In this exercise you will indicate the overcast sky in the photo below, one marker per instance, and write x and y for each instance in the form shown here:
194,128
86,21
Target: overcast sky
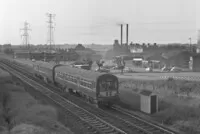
96,21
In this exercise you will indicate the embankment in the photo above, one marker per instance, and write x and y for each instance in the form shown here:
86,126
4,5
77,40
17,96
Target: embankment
20,113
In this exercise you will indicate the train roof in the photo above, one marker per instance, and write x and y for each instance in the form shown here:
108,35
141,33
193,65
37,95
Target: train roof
44,64
88,74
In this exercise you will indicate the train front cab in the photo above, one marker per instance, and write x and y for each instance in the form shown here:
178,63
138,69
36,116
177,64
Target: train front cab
107,89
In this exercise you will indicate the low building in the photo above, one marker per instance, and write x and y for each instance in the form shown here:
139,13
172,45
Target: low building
136,49
198,48
21,54
155,64
148,102
137,61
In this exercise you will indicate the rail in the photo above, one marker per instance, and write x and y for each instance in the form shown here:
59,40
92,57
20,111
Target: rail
134,123
151,128
97,123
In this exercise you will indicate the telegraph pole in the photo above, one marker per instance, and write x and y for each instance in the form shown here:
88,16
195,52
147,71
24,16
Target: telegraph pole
198,38
50,40
25,35
190,39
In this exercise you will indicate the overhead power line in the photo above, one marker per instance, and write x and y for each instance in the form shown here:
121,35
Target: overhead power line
25,36
50,40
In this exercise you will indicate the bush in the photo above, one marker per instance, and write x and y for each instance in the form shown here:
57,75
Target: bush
176,113
15,111
4,110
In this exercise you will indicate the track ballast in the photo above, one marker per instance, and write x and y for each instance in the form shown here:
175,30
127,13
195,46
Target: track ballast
126,122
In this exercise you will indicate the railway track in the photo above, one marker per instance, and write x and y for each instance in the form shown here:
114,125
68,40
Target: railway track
133,119
127,122
99,125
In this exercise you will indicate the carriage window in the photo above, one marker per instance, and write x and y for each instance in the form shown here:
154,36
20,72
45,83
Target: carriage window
62,75
59,75
86,83
106,85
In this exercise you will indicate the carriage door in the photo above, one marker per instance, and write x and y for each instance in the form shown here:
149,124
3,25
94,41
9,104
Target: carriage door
108,87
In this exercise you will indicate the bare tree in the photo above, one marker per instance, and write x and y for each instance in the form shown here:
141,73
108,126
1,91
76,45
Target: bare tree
122,66
99,64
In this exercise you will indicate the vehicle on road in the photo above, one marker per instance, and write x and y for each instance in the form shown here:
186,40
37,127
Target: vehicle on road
176,69
166,69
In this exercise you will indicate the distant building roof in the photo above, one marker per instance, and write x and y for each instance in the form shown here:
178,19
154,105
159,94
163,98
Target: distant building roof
146,93
84,52
21,51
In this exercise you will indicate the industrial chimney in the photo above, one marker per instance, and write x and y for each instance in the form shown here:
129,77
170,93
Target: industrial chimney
198,38
126,34
121,34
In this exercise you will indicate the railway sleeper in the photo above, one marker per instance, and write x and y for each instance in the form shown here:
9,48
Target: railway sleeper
100,124
87,119
95,122
109,131
105,127
149,128
157,131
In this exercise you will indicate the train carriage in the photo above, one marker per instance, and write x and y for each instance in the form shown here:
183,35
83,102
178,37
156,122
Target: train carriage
44,70
94,86
97,88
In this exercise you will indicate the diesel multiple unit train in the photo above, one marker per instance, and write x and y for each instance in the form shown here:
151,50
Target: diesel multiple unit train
97,88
